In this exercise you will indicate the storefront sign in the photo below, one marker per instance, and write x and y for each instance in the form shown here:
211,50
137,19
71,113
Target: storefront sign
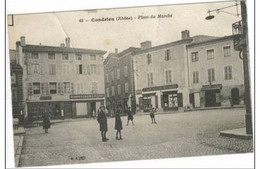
45,98
174,86
86,96
139,91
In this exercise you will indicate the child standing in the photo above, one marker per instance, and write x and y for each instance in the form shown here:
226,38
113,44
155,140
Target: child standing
152,115
118,125
129,116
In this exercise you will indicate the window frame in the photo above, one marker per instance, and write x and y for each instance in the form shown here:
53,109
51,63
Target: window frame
195,79
51,56
167,55
148,58
167,79
63,56
230,74
211,75
196,58
212,55
77,56
223,49
33,88
51,91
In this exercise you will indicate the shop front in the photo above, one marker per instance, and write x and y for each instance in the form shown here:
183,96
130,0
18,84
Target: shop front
170,100
76,106
212,95
86,105
57,110
164,98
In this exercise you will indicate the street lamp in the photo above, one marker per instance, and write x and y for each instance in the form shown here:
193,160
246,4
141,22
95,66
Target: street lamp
221,10
241,44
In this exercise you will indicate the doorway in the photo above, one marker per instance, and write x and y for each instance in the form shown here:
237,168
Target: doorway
235,96
211,98
93,109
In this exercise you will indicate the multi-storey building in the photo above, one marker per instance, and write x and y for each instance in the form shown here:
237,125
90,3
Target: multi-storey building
215,73
119,80
66,81
198,71
161,75
16,85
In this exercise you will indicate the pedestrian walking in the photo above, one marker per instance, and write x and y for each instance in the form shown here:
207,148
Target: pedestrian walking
152,115
118,125
102,120
130,116
94,113
46,124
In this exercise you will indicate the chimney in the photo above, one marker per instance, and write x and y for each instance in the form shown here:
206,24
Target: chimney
116,50
67,40
23,41
185,34
62,45
146,45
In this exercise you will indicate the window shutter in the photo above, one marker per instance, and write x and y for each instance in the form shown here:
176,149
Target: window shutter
29,69
72,88
40,69
77,68
43,88
46,86
60,88
84,69
29,89
98,69
88,69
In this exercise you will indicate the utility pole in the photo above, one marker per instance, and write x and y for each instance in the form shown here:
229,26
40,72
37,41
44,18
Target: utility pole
247,95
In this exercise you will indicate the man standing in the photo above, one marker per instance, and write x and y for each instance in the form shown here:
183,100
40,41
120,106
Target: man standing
102,120
46,124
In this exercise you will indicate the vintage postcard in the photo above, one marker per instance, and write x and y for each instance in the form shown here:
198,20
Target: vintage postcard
134,83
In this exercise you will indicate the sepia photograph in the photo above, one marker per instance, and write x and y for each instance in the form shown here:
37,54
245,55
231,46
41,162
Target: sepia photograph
134,83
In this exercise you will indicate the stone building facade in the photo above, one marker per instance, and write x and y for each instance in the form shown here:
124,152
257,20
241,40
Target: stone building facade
119,81
215,73
68,82
161,75
16,85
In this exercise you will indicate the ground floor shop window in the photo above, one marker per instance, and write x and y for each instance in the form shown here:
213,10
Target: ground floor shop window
170,101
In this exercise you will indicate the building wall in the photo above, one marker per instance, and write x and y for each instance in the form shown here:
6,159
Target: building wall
123,99
218,63
81,84
158,67
17,91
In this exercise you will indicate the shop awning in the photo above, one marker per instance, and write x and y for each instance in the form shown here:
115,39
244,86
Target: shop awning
211,87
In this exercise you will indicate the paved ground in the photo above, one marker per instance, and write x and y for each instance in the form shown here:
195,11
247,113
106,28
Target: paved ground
174,135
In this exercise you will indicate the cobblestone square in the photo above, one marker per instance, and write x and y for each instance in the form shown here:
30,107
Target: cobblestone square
175,135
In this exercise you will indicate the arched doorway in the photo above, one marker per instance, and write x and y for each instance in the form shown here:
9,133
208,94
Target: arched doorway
235,96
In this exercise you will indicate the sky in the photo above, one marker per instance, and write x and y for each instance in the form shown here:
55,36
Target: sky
52,28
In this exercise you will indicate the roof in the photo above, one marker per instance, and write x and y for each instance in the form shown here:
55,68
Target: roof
209,40
109,56
179,42
15,67
202,38
128,50
59,49
118,55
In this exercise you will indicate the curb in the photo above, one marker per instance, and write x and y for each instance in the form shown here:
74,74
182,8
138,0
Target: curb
18,151
236,133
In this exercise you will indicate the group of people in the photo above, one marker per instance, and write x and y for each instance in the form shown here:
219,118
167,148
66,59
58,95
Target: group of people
102,120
